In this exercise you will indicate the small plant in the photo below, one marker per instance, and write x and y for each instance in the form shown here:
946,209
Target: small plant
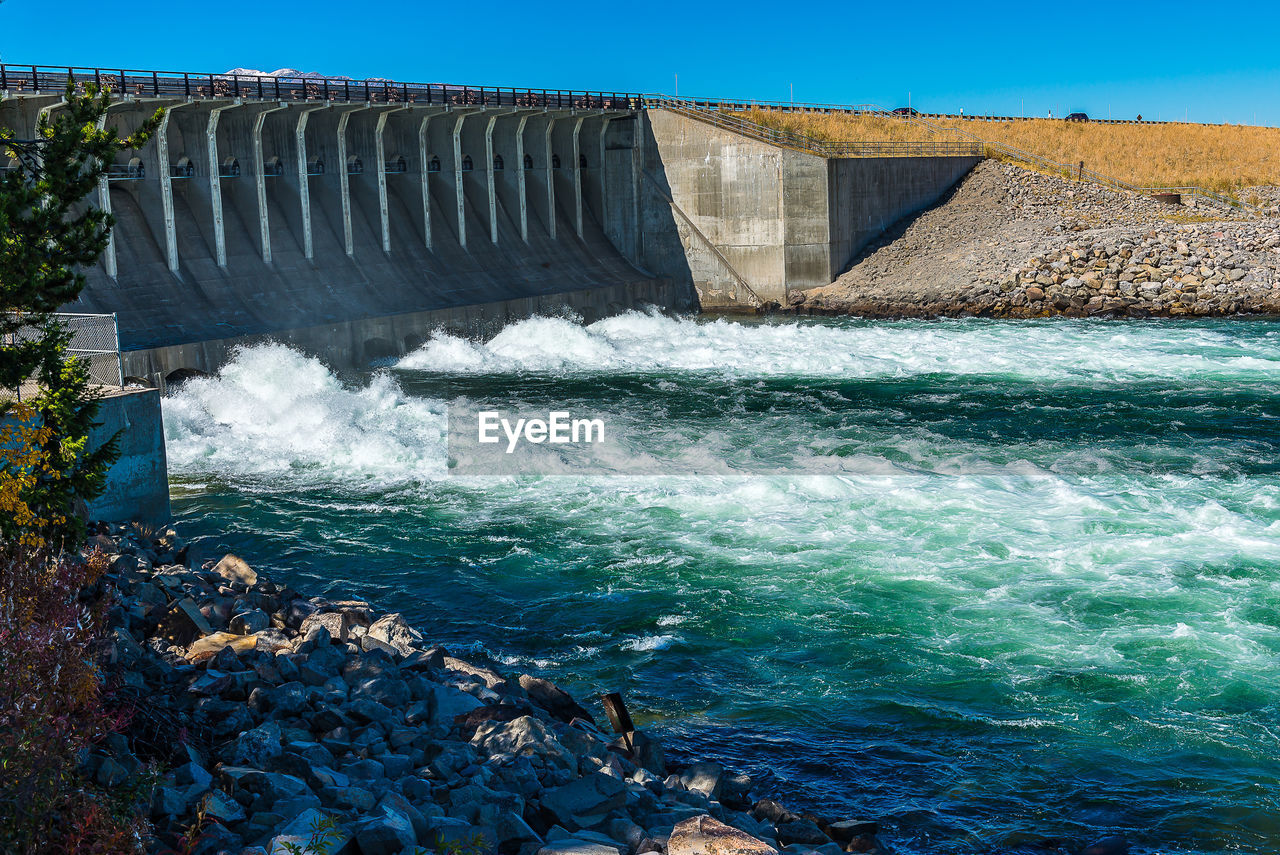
473,845
324,831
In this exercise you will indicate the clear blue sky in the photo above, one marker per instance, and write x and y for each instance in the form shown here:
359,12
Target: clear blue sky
1211,61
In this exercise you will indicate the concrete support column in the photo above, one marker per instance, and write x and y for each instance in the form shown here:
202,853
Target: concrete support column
603,211
520,180
166,190
551,182
304,185
577,176
215,186
493,192
457,181
344,183
104,202
264,221
637,166
424,177
383,209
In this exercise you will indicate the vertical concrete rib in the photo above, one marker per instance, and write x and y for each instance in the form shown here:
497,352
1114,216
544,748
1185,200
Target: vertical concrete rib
344,182
520,180
383,209
603,213
215,186
304,179
457,181
637,165
104,202
264,221
166,190
424,175
551,183
577,176
493,191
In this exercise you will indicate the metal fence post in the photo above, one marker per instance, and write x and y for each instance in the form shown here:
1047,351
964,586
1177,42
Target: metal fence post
115,322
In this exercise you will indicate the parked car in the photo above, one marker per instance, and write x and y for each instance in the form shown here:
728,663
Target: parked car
1078,117
906,111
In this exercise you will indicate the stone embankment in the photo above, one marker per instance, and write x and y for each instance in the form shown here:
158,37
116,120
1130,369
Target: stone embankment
267,721
1010,242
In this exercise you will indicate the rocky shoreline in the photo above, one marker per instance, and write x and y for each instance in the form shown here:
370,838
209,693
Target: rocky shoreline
1012,243
262,720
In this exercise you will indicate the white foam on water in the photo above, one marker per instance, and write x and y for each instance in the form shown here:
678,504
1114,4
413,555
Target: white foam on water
640,342
273,412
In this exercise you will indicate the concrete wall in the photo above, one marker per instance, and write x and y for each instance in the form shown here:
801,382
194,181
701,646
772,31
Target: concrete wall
779,219
334,259
866,195
495,212
137,485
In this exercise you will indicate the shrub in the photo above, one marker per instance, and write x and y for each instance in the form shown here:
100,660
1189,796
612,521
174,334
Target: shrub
51,708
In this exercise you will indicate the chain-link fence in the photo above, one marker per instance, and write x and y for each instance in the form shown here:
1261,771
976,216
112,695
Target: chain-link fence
95,338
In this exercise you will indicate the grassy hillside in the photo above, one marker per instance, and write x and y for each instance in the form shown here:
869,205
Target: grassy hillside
1218,157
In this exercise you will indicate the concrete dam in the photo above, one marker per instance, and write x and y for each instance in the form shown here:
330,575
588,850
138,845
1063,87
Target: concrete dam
350,218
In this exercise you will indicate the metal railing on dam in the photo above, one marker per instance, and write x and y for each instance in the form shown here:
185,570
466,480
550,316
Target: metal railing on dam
19,79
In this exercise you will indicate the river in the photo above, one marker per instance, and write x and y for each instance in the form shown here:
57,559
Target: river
993,583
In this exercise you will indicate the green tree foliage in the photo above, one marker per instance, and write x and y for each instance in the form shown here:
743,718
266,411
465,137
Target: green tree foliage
48,235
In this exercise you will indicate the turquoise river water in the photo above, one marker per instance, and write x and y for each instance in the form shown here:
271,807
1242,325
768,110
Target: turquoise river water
994,583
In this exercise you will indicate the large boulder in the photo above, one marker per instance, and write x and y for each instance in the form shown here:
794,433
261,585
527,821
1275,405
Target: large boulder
451,703
573,846
702,835
205,648
311,831
553,699
258,747
235,569
387,832
585,802
524,736
705,778
394,631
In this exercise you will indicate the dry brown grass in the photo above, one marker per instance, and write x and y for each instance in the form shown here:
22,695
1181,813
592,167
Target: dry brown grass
1217,157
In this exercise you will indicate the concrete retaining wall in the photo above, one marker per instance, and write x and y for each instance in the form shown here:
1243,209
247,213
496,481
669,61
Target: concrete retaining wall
781,219
137,485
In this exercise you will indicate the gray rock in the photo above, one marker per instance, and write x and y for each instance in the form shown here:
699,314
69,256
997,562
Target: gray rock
385,833
386,690
365,711
702,835
234,569
584,802
348,798
451,703
705,778
365,770
167,801
801,830
395,765
522,736
247,623
396,632
313,832
403,806
258,747
220,806
574,846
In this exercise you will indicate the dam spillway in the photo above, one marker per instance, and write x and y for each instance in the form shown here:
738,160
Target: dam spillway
350,218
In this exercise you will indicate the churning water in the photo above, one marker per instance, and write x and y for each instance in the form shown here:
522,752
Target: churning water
1037,595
